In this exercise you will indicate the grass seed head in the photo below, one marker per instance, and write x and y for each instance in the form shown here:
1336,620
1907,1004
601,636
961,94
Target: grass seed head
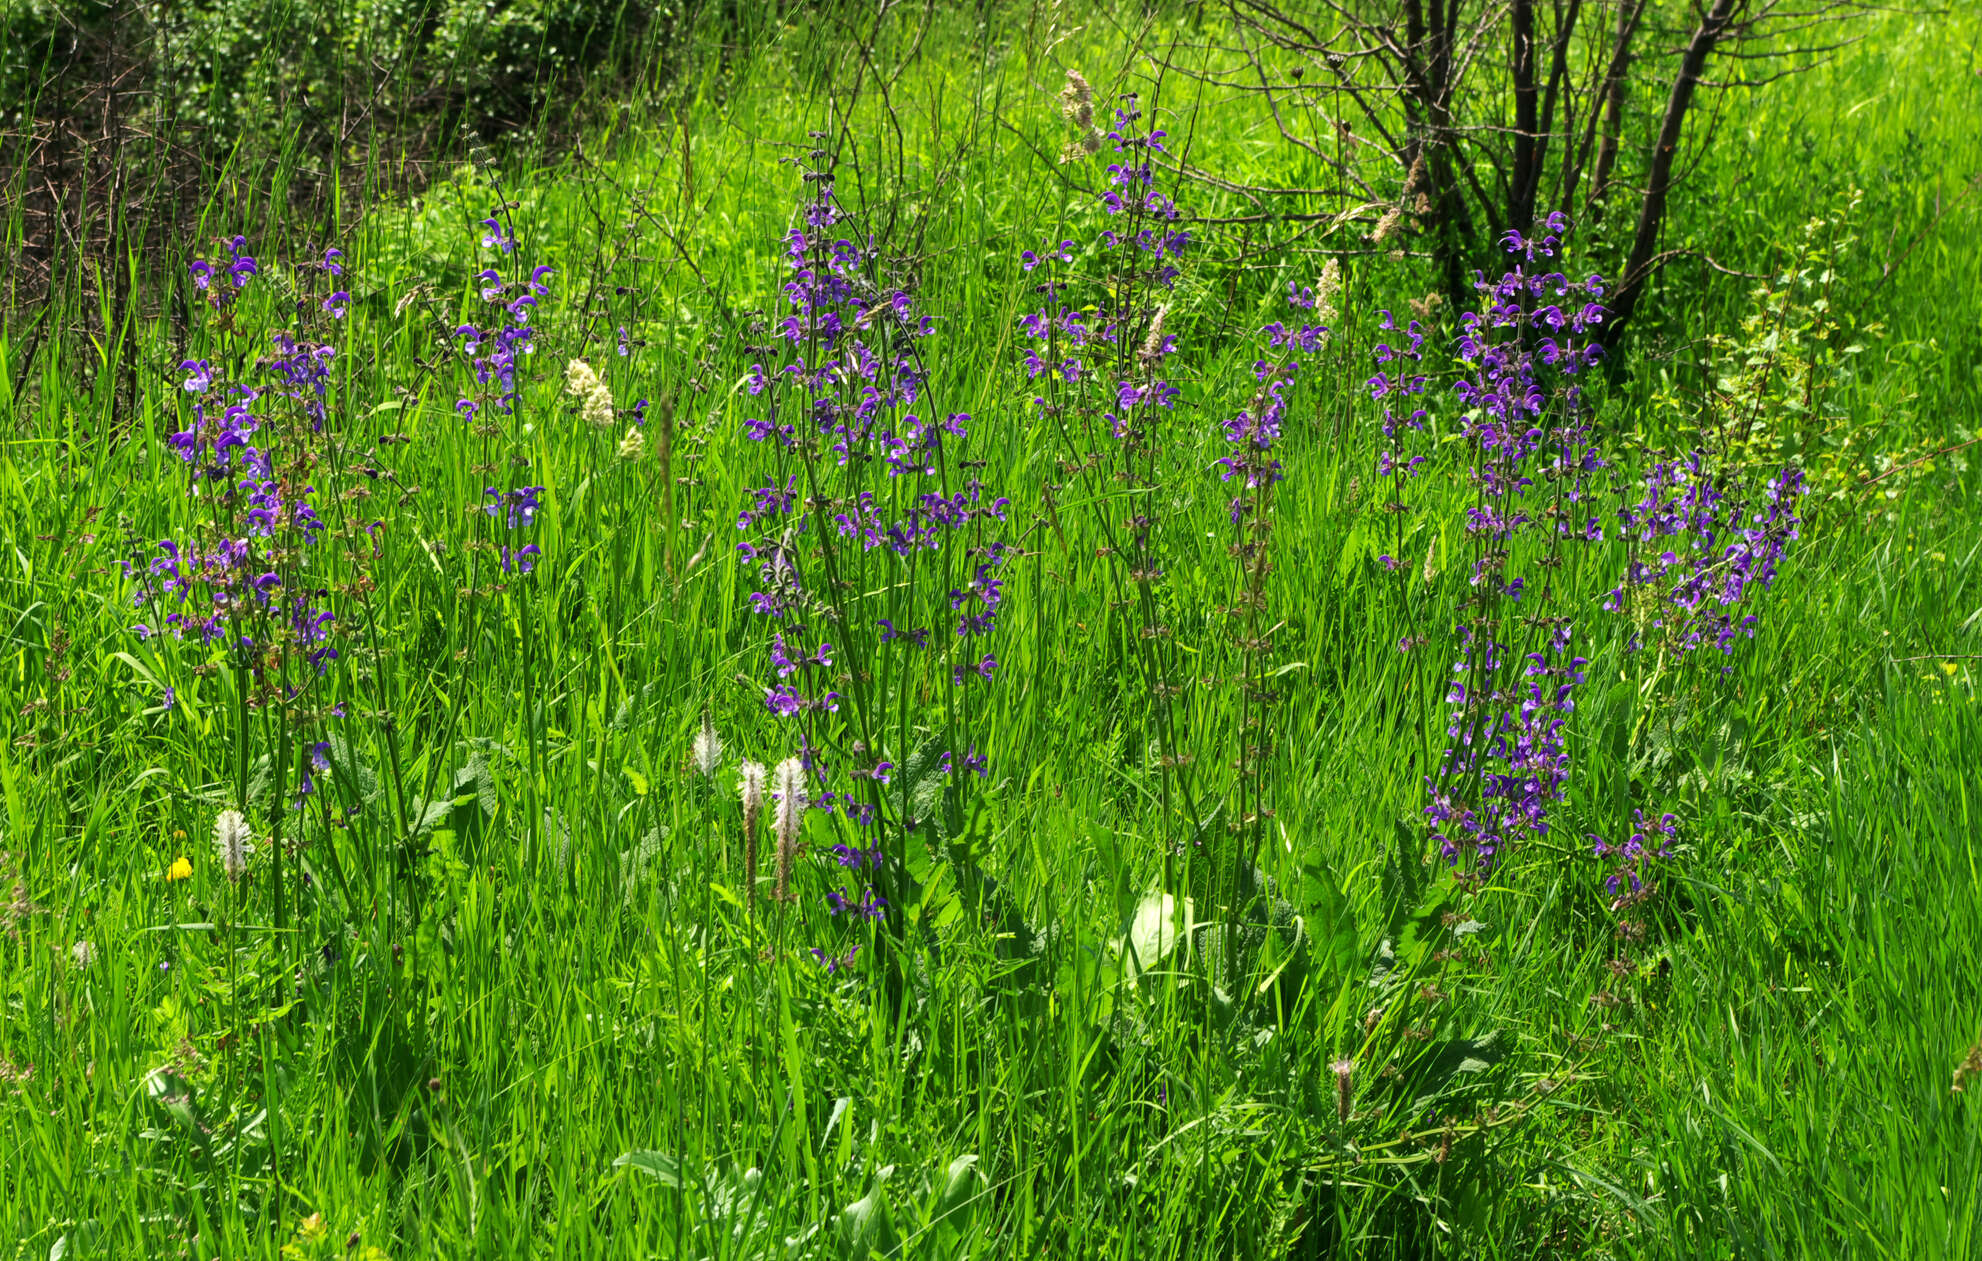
1386,226
1077,101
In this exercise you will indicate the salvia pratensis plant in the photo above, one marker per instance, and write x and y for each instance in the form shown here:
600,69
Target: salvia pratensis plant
877,550
246,584
1249,472
1096,356
1525,431
491,349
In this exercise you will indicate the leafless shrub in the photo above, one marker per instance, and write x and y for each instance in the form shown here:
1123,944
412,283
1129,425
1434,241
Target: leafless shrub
1459,122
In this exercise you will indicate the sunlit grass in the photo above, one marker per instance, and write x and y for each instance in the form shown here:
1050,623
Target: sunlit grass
551,1021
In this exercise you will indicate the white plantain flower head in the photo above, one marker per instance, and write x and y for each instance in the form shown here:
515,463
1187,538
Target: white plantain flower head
789,784
231,843
750,787
708,746
1328,293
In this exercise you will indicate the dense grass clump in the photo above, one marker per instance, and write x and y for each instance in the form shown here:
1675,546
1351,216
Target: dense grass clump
852,666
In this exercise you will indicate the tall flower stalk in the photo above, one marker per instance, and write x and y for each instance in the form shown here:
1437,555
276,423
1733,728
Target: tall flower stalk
1526,431
246,583
1097,353
877,551
491,350
1250,470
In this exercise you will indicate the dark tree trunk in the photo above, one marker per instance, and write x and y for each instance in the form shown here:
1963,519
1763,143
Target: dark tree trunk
1616,84
1658,182
1527,119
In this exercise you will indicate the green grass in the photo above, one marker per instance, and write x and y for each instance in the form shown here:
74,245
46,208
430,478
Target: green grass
545,1023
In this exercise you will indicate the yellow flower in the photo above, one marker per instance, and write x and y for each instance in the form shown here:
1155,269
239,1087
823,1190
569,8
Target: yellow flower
179,870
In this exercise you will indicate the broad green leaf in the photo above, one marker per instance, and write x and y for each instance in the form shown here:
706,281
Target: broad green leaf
663,1167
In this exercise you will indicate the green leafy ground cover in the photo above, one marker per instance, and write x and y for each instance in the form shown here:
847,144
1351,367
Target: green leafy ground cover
501,988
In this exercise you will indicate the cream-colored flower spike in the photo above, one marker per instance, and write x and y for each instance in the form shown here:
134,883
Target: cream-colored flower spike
708,747
750,788
231,843
579,379
597,410
790,785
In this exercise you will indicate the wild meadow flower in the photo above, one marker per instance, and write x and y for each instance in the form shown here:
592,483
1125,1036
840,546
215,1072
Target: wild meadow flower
492,345
246,579
181,869
789,794
708,747
1702,544
834,963
1344,1070
82,954
870,905
750,788
1527,434
1095,350
220,283
231,843
877,550
633,445
1643,843
1251,468
515,515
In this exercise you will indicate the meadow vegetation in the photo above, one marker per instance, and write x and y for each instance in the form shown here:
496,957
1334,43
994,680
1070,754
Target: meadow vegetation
809,652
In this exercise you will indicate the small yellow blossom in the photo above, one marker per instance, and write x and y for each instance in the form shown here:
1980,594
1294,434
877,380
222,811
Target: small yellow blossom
180,869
